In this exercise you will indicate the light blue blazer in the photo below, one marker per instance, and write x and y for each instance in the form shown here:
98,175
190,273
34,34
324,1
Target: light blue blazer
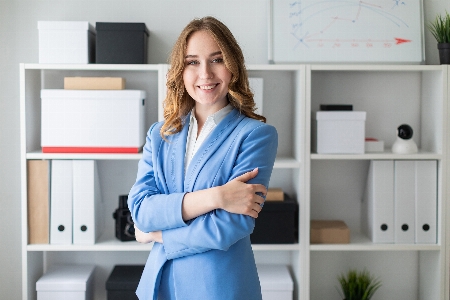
211,255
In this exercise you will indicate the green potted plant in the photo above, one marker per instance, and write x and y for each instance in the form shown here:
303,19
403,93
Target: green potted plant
358,285
440,28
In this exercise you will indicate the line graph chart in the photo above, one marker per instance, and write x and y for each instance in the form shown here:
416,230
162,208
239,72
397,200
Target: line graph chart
347,31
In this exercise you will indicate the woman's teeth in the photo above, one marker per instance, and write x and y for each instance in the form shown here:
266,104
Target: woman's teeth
207,87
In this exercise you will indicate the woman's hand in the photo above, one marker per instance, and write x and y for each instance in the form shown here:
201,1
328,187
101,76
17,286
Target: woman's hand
236,196
239,197
145,238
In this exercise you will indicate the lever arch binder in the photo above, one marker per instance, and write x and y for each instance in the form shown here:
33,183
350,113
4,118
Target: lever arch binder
404,211
426,202
61,202
379,201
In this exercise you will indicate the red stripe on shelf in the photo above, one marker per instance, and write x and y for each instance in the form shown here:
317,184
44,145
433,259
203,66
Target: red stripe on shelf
90,150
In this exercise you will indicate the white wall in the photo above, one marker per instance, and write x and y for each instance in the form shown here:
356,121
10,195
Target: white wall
247,19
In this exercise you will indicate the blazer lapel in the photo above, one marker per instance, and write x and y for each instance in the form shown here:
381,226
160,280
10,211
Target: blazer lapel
209,146
175,159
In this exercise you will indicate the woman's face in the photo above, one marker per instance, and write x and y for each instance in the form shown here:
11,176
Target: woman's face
205,76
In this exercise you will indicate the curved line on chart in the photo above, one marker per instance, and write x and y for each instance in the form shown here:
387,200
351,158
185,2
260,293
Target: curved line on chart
300,41
394,19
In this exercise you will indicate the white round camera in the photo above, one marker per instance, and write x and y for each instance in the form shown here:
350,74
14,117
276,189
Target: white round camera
404,144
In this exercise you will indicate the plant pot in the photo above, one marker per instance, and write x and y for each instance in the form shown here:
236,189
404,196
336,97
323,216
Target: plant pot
444,53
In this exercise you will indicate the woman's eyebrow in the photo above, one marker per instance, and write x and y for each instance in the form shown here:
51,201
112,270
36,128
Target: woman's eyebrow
194,56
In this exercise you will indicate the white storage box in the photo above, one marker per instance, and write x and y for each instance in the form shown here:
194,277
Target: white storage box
66,42
276,282
94,121
340,132
67,282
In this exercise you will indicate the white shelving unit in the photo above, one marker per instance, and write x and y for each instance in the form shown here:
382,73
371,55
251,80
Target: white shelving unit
391,95
325,186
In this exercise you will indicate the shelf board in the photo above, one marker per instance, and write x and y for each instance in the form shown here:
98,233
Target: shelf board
275,67
360,242
286,163
99,156
275,247
379,155
280,162
93,67
374,67
107,242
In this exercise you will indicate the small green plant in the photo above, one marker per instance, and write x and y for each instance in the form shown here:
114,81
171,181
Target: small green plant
358,285
440,28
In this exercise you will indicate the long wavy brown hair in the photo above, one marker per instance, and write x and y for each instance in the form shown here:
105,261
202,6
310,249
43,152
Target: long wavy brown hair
179,103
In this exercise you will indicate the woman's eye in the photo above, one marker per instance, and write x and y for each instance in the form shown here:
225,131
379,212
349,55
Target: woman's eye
217,60
192,62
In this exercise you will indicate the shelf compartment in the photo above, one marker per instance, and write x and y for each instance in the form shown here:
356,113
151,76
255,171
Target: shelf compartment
404,274
284,105
391,96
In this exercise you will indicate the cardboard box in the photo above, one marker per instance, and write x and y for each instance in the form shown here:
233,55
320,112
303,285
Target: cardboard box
94,83
66,42
121,43
339,132
329,232
81,121
276,282
70,282
275,194
123,281
277,223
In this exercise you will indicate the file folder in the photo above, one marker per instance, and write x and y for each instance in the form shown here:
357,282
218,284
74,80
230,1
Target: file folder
379,201
87,202
61,202
426,202
38,195
405,181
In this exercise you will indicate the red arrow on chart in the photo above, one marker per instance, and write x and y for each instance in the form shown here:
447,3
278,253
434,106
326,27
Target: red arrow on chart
399,41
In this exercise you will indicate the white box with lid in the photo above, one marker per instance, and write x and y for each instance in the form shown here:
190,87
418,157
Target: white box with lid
68,282
276,282
339,132
66,42
92,121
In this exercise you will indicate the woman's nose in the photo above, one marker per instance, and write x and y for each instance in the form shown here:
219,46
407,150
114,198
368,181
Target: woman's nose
206,71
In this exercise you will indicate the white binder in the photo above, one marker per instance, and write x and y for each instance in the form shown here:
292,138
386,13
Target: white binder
87,202
405,203
426,202
379,202
61,202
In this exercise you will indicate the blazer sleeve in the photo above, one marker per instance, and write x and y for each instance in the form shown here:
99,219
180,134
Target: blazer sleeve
220,229
152,207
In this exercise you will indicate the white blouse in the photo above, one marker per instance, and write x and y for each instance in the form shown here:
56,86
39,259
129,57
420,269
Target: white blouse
193,143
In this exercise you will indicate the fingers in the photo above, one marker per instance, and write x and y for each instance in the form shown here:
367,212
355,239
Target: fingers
255,207
247,176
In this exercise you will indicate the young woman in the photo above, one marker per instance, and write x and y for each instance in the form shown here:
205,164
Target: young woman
203,175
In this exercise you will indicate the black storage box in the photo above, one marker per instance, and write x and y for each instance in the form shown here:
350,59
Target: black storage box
123,281
277,223
121,43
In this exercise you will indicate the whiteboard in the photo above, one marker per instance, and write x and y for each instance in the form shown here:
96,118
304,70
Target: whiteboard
335,31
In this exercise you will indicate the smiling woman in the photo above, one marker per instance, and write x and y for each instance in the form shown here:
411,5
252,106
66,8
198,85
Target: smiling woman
205,76
178,103
204,174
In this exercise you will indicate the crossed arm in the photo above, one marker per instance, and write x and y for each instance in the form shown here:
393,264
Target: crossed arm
236,196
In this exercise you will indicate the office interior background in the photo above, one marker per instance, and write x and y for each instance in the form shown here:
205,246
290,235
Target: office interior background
247,19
